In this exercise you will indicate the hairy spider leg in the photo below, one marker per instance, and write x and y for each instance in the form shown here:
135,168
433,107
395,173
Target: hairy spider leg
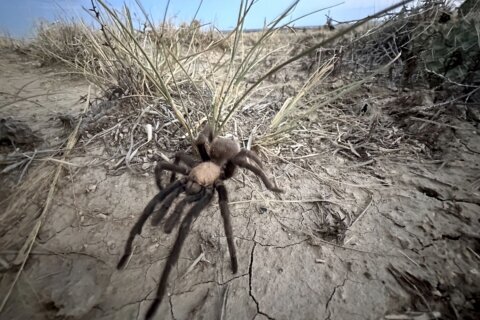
251,155
137,228
166,204
241,162
227,224
205,136
170,167
228,170
203,152
187,159
175,252
175,216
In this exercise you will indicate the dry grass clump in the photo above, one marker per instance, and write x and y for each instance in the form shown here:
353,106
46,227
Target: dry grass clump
182,67
63,41
433,38
439,58
141,65
409,45
194,34
8,42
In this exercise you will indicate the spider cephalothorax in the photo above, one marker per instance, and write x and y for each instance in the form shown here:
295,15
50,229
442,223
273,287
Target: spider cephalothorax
219,159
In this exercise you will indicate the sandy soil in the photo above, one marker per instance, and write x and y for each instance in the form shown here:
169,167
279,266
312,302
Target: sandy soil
398,239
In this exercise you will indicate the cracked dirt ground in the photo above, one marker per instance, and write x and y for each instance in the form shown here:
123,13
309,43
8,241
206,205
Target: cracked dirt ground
417,216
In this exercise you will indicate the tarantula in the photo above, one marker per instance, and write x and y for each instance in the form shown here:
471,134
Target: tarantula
219,159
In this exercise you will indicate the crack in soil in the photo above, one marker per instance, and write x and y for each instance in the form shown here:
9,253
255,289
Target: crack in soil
250,268
432,193
331,297
171,307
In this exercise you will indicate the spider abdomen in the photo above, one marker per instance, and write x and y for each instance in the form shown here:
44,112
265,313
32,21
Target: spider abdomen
205,174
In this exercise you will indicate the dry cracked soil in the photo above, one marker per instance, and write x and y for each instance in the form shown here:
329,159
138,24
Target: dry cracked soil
405,244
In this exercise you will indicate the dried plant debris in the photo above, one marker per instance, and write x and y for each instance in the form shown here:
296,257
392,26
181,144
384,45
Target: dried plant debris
417,287
442,301
101,115
331,225
134,134
415,315
17,132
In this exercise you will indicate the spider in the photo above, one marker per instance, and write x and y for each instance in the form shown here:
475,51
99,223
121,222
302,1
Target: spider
220,158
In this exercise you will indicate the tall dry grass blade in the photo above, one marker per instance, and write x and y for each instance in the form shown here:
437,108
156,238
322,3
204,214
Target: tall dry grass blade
307,52
288,119
233,84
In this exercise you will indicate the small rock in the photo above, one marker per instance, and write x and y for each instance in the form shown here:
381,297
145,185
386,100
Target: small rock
124,130
102,216
91,188
146,166
111,244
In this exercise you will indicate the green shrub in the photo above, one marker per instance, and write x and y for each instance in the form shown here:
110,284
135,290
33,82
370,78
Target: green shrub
454,53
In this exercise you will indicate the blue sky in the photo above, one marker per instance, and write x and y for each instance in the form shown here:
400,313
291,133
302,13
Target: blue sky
17,17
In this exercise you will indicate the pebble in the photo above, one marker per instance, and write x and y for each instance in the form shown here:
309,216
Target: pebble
111,244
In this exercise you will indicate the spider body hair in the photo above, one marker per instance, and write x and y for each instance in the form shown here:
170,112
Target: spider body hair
205,174
220,158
